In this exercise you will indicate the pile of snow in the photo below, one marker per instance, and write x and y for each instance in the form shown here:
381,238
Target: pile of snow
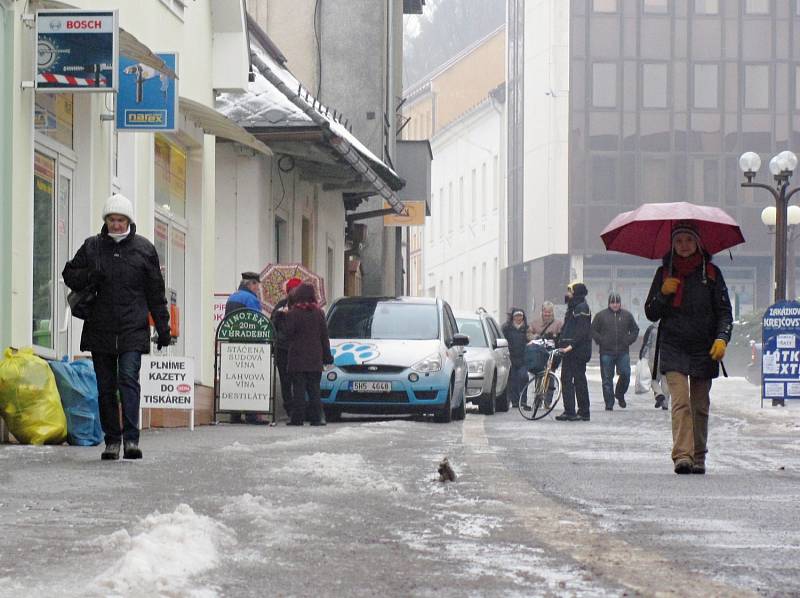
347,471
236,447
161,559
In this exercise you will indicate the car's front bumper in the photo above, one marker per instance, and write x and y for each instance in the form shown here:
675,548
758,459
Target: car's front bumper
429,391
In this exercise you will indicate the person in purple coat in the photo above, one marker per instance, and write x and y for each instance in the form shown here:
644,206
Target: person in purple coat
309,352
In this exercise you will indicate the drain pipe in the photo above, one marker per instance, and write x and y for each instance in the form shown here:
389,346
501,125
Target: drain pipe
340,144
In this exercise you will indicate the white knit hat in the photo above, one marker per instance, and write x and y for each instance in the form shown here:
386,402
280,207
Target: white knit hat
118,204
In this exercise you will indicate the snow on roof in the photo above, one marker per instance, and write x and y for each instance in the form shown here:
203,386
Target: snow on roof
264,105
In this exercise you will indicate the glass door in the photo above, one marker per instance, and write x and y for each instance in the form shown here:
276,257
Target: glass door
52,209
63,254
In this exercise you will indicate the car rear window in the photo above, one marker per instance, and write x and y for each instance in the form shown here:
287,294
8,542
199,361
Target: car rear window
383,320
474,330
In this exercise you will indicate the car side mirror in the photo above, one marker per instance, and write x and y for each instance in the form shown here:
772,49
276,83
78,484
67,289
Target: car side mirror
501,343
460,340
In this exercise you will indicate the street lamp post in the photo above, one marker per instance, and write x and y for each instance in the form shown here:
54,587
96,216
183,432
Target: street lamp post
781,166
768,217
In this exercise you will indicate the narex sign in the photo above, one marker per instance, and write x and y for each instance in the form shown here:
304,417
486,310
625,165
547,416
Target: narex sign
246,326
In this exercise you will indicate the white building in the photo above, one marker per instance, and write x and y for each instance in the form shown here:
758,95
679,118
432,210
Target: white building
461,249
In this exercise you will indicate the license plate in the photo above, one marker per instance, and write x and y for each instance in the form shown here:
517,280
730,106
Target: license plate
370,386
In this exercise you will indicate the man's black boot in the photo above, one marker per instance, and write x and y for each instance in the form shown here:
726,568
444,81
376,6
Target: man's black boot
567,417
111,452
132,450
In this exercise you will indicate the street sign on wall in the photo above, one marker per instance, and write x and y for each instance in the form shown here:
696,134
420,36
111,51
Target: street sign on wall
414,217
780,367
77,50
147,99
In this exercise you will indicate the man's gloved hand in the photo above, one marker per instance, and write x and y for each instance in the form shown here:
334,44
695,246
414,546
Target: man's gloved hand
717,350
670,286
164,340
96,277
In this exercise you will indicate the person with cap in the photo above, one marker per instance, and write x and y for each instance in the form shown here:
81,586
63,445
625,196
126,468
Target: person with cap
615,330
576,346
281,346
689,299
124,269
245,297
515,331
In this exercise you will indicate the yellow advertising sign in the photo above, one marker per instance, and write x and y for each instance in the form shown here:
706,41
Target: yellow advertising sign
415,217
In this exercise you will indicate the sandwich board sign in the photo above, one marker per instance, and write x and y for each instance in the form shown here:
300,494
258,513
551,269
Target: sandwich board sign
244,379
167,383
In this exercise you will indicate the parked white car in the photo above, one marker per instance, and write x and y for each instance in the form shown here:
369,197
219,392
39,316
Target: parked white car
488,361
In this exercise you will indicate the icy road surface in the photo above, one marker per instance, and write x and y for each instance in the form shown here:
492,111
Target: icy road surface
354,509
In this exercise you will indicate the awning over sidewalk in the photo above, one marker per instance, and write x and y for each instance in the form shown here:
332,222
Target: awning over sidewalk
214,123
289,119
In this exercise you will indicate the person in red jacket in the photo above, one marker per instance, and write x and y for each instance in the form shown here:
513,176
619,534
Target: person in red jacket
309,351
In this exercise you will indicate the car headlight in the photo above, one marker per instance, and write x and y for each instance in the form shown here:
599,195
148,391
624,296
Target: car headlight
432,363
475,367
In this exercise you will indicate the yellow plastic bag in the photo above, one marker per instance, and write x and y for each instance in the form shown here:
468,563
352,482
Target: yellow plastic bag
29,400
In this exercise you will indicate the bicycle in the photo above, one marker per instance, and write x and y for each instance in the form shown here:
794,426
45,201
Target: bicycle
543,390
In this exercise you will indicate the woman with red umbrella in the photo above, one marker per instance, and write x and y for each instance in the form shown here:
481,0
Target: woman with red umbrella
690,299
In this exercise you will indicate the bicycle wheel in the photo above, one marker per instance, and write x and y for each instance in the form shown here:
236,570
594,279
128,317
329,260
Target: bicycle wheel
540,396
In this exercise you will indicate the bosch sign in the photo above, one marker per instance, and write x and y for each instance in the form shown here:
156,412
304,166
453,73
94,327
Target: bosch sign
77,50
84,25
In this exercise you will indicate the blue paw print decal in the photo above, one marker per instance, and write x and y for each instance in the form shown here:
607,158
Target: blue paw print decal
353,353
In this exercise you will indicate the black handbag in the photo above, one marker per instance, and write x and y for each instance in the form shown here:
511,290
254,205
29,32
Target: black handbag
81,302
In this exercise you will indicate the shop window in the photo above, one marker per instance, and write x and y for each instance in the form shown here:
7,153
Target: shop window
170,177
53,117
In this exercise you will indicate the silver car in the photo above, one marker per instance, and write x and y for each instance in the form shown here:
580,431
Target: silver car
488,361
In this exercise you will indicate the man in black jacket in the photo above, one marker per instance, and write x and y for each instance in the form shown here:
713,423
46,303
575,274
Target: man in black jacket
576,345
124,269
615,330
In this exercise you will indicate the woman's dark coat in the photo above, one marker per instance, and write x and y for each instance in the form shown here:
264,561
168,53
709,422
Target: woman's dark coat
132,287
517,339
686,333
307,333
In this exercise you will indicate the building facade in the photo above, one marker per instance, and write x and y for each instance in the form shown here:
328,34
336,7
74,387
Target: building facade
657,100
460,107
68,158
324,42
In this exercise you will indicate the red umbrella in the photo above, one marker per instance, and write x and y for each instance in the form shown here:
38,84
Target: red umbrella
646,231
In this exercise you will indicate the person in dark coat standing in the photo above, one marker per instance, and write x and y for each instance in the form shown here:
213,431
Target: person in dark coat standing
576,346
245,297
689,298
281,346
515,330
615,330
124,269
309,351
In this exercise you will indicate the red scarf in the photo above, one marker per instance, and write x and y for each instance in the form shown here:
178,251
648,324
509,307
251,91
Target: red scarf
683,267
306,305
